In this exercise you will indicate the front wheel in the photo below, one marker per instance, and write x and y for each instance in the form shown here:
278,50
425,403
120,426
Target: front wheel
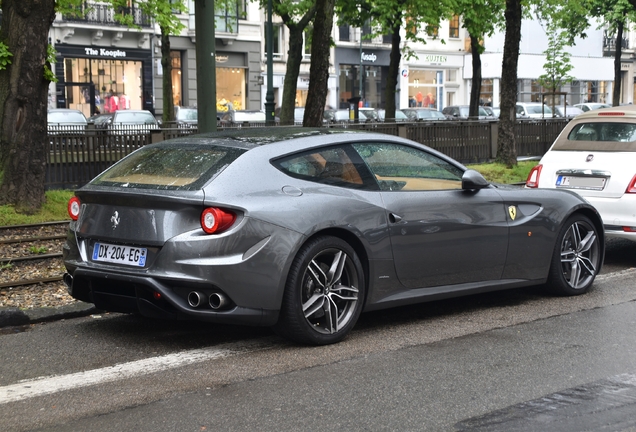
576,259
324,293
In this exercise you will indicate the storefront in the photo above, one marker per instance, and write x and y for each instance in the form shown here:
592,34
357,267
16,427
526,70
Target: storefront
362,72
96,79
432,80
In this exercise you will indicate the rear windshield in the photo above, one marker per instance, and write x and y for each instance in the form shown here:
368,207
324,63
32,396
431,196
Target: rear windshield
134,117
600,136
66,117
187,114
169,167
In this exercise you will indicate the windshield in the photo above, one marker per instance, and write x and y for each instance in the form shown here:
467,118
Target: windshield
187,114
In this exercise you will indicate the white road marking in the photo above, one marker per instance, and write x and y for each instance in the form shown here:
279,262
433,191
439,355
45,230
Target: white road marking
41,386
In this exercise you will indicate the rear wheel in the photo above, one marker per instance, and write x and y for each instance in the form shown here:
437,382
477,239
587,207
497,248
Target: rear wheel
577,257
324,293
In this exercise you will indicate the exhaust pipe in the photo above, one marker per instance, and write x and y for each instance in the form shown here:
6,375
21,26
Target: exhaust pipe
218,300
196,299
68,281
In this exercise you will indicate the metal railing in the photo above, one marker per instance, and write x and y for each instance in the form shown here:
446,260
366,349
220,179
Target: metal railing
104,14
77,155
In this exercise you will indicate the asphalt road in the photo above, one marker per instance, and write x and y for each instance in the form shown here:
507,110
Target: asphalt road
514,360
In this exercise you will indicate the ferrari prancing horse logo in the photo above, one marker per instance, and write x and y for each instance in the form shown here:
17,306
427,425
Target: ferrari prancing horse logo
512,211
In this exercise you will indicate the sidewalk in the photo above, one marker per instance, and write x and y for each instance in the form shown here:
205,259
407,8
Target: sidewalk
16,317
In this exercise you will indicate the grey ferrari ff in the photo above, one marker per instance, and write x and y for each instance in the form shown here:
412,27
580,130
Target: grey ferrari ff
303,229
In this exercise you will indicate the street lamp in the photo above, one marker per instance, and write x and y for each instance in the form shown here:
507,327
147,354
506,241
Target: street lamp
269,96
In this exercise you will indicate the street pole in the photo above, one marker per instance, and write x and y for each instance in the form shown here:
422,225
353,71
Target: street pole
270,116
206,64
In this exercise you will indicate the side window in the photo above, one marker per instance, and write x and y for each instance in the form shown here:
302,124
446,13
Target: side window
331,165
398,167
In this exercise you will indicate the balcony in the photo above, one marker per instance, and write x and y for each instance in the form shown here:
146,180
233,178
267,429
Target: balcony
610,42
102,14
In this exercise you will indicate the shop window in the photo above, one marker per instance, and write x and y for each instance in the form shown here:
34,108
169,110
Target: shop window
230,88
453,27
277,53
451,75
177,80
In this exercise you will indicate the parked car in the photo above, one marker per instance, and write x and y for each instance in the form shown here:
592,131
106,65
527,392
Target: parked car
239,118
186,117
303,229
66,127
342,116
567,111
423,114
64,120
595,156
533,110
371,114
491,111
460,112
592,106
122,122
399,116
98,119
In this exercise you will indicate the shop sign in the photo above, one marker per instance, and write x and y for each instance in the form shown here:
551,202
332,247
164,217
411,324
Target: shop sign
626,66
368,57
104,52
436,59
222,58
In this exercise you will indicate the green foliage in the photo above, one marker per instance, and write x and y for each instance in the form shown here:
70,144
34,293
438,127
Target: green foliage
6,266
557,65
54,209
38,250
5,56
50,59
499,173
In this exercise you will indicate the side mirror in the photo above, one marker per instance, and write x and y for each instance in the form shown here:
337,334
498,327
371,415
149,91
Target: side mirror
472,180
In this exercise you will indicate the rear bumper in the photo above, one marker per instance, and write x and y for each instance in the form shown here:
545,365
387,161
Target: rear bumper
152,298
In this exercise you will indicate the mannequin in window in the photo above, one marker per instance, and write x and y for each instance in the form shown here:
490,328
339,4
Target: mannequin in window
112,103
124,101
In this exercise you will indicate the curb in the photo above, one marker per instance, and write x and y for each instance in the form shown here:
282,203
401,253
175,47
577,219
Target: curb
10,317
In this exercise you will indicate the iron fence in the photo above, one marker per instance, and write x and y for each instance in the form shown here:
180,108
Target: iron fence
76,155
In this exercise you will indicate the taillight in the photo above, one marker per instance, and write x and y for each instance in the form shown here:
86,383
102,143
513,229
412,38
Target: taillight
74,206
632,186
533,177
215,220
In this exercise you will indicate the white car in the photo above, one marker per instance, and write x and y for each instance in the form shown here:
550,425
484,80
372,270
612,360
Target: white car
595,156
592,106
533,110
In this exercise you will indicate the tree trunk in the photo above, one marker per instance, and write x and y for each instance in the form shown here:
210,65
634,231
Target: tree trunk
394,66
166,65
23,103
294,58
319,70
506,150
475,91
616,91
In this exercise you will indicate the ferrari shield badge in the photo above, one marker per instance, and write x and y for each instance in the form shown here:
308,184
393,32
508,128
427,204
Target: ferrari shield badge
512,211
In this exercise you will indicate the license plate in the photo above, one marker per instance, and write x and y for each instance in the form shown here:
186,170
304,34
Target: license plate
127,255
574,182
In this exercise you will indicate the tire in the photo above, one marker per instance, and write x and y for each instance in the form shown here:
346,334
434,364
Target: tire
324,293
576,259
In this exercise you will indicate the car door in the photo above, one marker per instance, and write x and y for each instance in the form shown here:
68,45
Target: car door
440,234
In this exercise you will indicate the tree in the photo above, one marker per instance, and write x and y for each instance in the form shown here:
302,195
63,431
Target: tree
319,69
480,18
24,86
557,65
297,17
506,146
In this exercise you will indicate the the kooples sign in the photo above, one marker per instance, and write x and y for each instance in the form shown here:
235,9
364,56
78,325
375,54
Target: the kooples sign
104,52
